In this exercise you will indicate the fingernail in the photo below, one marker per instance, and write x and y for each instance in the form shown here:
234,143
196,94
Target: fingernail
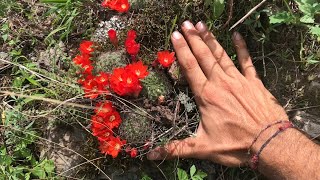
176,35
153,155
188,25
237,36
201,26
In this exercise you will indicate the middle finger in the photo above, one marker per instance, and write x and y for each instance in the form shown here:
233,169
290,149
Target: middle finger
201,51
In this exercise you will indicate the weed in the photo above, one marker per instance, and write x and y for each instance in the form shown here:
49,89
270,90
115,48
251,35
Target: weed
305,17
194,174
16,157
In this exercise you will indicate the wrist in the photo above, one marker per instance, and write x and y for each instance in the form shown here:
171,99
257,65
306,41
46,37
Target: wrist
264,139
285,155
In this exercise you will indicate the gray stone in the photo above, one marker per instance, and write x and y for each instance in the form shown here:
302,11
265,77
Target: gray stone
308,123
66,141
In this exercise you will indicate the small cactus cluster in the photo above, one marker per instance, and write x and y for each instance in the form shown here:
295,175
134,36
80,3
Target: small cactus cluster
116,22
53,59
191,2
106,62
135,127
156,84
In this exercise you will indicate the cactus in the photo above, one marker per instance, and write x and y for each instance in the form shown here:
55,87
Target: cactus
106,62
135,127
155,85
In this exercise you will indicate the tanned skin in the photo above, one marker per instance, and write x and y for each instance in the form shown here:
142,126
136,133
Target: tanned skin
235,106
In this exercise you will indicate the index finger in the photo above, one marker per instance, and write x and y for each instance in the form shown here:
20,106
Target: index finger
188,62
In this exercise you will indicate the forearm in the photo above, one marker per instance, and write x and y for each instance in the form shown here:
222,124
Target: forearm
290,155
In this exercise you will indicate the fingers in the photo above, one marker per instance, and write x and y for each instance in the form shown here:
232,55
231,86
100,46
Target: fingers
201,51
188,62
244,58
176,149
217,50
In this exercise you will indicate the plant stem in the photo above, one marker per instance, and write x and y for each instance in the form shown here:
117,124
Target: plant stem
288,7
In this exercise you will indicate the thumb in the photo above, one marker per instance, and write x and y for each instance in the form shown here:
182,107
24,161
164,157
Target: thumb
185,148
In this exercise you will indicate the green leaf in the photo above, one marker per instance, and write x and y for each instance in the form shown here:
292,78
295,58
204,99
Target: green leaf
182,174
146,177
27,176
307,19
5,160
39,172
5,37
281,17
54,1
49,166
307,6
217,7
315,30
32,81
201,174
193,170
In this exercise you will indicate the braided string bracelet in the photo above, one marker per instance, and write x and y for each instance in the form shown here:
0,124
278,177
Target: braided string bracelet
255,158
264,129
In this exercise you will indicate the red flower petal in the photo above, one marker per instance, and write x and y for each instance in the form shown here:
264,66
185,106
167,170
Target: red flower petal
113,37
104,109
117,5
139,69
86,47
132,34
166,58
134,152
112,147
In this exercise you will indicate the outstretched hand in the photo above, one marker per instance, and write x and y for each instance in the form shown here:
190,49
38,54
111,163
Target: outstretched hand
234,105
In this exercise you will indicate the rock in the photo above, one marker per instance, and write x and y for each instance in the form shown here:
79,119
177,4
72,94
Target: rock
308,123
314,89
69,139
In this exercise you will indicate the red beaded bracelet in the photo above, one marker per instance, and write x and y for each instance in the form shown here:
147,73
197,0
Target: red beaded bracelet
255,158
264,129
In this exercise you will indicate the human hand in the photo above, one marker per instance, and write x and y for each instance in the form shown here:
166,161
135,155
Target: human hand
234,106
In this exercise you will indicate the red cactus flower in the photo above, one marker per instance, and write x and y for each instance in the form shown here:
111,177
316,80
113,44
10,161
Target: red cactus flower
134,152
104,109
113,37
97,124
124,83
102,78
166,58
132,34
93,89
117,5
132,47
139,69
81,59
86,47
112,147
104,135
87,68
113,120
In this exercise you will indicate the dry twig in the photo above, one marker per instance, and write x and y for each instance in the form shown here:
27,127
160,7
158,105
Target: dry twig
247,15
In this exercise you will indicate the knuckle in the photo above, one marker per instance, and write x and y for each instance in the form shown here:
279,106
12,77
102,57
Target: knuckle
240,44
180,45
190,64
203,52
